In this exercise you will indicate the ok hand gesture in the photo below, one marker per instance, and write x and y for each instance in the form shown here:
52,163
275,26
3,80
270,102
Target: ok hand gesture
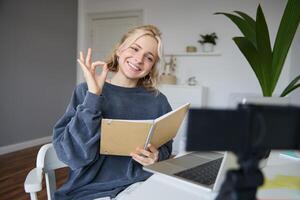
94,81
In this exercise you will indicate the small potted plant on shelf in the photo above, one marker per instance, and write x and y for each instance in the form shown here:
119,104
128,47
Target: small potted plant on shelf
208,41
168,75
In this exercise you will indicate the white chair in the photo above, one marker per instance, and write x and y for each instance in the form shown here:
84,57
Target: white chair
46,163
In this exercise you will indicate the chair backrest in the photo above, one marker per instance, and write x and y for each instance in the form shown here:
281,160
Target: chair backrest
47,158
48,161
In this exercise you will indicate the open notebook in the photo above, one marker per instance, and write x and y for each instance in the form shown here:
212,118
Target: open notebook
121,137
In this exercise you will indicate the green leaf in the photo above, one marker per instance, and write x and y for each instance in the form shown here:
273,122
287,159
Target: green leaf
251,54
287,29
292,86
286,92
264,49
248,19
246,28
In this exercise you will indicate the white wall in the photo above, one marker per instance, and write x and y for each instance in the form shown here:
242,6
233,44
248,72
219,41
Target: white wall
181,23
38,55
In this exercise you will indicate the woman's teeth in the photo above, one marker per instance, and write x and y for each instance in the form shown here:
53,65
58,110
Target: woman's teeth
134,67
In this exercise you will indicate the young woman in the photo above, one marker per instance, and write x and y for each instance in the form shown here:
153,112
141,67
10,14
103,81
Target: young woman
130,94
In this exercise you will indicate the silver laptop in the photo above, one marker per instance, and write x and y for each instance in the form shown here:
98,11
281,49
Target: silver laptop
205,170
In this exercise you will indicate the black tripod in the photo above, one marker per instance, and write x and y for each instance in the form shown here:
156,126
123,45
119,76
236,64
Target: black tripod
241,184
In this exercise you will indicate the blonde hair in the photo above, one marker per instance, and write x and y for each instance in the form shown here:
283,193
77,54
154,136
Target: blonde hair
150,81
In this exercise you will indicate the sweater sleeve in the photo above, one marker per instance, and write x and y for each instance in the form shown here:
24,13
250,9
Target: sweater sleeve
165,150
76,135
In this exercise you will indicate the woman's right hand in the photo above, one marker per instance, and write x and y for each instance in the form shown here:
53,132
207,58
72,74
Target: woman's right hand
94,81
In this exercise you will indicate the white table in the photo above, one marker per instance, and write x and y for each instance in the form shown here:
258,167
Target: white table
164,187
280,165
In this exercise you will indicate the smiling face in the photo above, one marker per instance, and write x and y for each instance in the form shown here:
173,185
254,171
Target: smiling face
137,60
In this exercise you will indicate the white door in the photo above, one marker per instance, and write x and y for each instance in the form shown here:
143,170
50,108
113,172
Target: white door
106,30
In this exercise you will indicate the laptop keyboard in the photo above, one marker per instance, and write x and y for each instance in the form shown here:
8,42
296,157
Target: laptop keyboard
204,174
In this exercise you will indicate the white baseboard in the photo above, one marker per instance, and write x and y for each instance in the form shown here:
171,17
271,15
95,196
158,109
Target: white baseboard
24,145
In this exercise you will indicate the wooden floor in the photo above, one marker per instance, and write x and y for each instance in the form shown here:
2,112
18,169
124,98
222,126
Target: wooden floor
13,170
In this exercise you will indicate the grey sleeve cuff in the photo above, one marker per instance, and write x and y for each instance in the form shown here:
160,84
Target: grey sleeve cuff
93,102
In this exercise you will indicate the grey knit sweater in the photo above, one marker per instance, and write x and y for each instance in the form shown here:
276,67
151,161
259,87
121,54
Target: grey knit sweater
76,139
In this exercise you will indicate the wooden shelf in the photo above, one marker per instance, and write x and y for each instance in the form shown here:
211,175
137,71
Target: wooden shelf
192,54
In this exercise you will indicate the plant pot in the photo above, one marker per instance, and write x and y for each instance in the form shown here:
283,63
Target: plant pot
168,79
207,47
235,99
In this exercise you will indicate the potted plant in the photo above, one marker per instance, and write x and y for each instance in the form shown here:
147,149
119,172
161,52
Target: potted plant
208,41
267,63
168,74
